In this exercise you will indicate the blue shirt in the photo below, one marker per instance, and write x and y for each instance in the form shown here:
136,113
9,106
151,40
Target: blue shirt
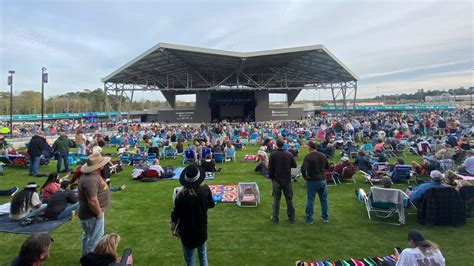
419,191
155,141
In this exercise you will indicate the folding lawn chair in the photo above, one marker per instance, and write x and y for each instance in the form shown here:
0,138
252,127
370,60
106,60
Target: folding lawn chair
401,173
387,148
125,159
189,156
446,164
150,158
378,170
219,157
386,202
248,194
230,155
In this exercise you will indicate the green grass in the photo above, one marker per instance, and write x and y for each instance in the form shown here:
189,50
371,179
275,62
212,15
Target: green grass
241,236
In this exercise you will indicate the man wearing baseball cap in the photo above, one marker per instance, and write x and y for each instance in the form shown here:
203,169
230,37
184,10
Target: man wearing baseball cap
416,195
420,251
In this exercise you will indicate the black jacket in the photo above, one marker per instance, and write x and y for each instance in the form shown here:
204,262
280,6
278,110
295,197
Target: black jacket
314,166
36,146
279,166
92,259
190,213
442,206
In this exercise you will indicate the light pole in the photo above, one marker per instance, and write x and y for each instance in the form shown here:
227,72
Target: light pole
10,82
44,79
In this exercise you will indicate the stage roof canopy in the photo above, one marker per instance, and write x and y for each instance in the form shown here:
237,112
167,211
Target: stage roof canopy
177,67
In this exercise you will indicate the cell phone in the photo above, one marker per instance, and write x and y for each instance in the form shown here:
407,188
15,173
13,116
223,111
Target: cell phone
399,250
126,253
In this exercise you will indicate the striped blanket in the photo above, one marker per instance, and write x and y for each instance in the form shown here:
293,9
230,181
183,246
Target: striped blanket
369,261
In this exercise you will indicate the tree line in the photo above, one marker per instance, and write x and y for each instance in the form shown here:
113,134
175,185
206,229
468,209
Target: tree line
29,102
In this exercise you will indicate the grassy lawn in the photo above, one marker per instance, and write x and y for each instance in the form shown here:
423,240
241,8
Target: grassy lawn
240,236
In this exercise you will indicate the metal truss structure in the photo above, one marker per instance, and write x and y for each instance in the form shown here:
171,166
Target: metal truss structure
174,70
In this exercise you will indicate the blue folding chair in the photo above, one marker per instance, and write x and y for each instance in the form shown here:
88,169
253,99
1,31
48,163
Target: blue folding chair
401,173
125,159
150,158
219,157
189,156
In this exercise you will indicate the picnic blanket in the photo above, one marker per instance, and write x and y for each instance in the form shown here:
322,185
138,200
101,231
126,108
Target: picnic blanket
225,193
8,226
178,170
249,158
376,261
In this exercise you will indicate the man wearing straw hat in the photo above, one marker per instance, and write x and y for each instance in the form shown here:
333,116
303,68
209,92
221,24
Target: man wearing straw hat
93,200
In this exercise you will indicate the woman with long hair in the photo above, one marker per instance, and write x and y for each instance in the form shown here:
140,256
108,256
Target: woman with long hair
26,203
452,179
49,187
105,253
189,215
80,140
420,251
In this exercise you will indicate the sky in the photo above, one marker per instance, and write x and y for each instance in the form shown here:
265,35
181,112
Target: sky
393,46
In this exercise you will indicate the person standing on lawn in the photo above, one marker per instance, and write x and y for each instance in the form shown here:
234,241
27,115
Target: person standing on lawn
61,147
35,149
189,215
279,170
315,164
93,200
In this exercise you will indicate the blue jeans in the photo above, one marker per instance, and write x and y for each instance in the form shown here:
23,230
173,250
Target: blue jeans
35,211
321,188
34,165
62,157
67,211
189,257
81,149
462,170
93,231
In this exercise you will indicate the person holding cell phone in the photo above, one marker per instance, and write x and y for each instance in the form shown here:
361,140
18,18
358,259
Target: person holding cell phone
105,253
420,251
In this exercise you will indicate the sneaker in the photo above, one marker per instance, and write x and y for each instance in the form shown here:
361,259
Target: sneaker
292,221
325,221
122,187
306,221
13,191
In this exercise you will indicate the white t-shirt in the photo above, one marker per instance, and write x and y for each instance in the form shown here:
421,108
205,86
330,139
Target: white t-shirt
34,201
414,257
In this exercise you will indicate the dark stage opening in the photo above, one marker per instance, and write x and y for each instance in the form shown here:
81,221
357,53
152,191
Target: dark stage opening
232,106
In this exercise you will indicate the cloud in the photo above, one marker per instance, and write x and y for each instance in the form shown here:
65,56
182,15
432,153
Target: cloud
398,71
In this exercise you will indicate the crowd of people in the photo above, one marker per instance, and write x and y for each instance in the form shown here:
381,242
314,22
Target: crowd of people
443,134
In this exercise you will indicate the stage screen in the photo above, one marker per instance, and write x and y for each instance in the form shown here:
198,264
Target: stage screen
232,110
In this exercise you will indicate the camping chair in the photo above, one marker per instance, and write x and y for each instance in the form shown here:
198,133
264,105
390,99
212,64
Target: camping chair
400,149
401,172
348,173
230,155
205,151
189,156
467,195
150,158
253,138
378,170
125,159
386,202
367,148
137,159
244,141
169,153
248,194
296,173
141,149
388,149
219,157
446,164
